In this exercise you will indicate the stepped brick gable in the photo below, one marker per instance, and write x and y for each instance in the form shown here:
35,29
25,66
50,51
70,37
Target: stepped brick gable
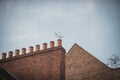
45,64
81,65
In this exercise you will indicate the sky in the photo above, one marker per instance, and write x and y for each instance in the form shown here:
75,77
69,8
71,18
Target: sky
92,24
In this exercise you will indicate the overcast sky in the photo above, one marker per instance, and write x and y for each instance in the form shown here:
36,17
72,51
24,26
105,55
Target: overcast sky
92,24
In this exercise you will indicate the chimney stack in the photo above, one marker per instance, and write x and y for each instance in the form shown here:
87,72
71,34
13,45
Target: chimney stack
23,51
44,46
4,55
17,51
59,42
10,54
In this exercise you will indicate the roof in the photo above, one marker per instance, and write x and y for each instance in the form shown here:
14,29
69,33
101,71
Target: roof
82,54
80,64
4,75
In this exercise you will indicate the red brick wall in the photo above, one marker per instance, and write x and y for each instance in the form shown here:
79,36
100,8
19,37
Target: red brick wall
116,73
81,65
46,65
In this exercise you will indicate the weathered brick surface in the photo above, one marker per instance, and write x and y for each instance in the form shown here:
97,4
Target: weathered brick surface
80,65
46,65
116,73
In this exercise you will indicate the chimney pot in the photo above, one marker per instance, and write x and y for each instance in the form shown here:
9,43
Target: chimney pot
30,49
37,47
10,54
59,42
44,46
17,51
23,51
51,44
4,55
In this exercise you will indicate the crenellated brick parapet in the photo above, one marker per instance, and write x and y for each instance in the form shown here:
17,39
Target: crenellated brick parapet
31,50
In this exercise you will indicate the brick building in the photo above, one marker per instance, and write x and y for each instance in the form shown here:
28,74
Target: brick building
45,64
81,65
52,64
